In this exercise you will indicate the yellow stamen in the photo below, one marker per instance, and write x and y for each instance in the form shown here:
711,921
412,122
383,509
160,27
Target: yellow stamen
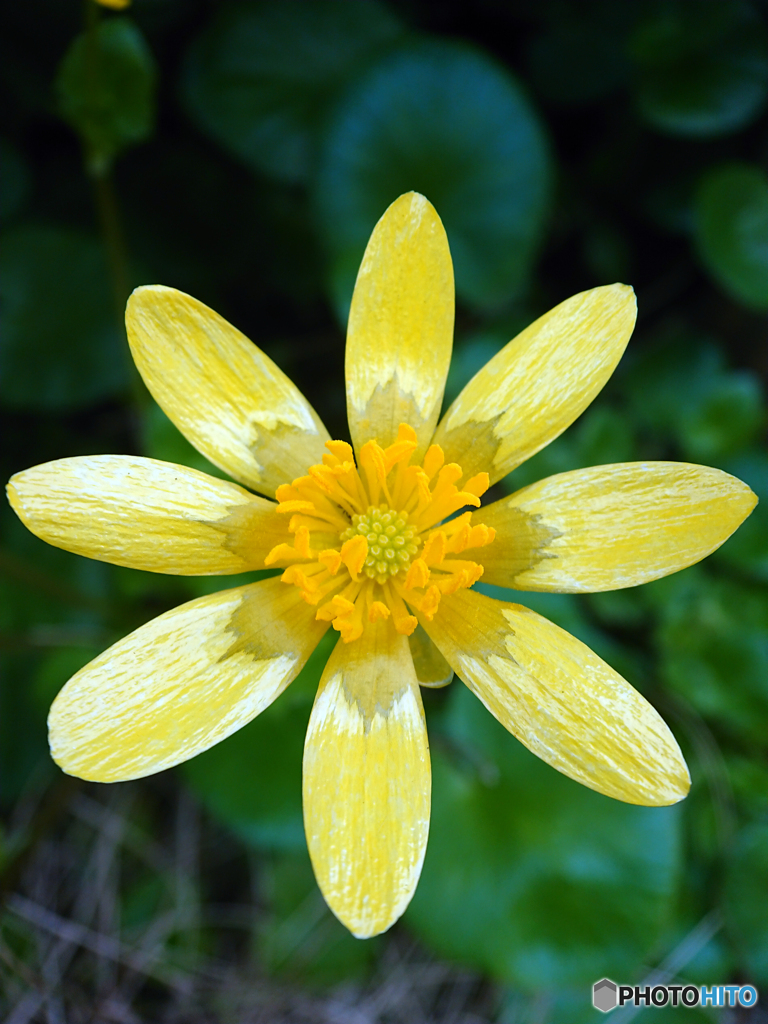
374,538
353,554
331,559
433,460
284,553
434,548
378,610
418,575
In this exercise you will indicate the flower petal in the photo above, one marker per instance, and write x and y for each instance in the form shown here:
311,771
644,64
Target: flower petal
431,667
559,699
367,781
610,527
182,682
400,326
147,515
227,398
537,385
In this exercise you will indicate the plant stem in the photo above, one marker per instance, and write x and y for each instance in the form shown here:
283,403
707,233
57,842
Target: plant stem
99,169
114,240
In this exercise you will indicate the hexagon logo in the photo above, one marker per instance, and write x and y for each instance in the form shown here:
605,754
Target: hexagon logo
604,995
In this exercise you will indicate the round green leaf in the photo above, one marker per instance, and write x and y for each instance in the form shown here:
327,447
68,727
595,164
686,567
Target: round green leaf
702,67
732,230
531,877
261,76
745,887
441,119
106,89
61,348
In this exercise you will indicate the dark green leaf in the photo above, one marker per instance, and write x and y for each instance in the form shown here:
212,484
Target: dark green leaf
106,89
61,348
260,78
530,876
441,119
702,66
732,230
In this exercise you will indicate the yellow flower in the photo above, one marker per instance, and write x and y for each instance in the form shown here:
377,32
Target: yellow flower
368,544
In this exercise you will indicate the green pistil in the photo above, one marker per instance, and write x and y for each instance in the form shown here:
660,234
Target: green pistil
391,541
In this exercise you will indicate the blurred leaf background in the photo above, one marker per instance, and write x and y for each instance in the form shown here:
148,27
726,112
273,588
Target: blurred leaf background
242,152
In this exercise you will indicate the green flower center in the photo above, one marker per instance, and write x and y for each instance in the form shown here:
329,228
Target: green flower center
392,542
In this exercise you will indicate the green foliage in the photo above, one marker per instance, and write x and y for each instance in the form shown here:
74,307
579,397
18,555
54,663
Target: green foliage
681,388
298,124
260,79
714,632
528,875
163,441
252,781
61,347
52,621
300,938
702,66
444,120
747,550
106,90
746,882
732,230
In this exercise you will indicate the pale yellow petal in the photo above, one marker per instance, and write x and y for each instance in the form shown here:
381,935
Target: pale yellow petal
227,398
537,385
400,326
611,526
147,515
367,781
182,682
558,698
431,667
